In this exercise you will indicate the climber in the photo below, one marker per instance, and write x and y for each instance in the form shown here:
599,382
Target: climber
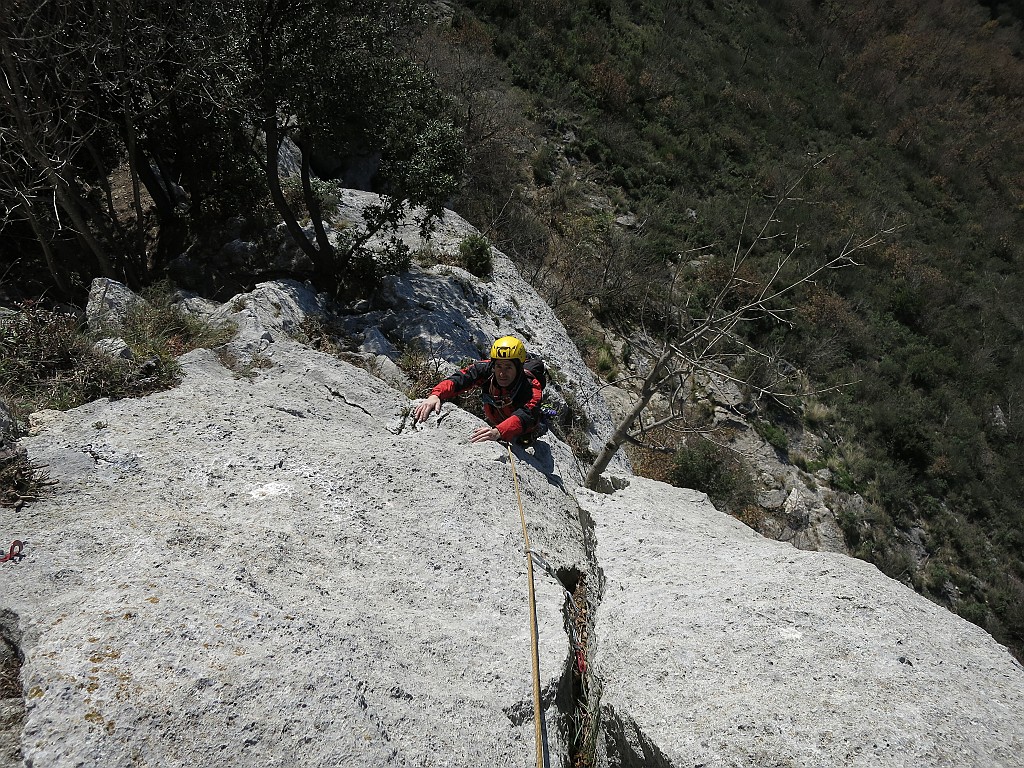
511,394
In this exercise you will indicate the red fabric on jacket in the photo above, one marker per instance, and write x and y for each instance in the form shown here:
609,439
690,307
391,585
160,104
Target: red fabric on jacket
514,411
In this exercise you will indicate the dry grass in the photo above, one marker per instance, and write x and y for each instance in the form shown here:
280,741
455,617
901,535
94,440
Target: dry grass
47,361
21,480
10,685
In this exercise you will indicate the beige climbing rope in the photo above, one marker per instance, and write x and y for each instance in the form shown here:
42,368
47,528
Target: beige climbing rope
538,723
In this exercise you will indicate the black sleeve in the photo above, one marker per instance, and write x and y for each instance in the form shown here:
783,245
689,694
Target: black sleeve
471,376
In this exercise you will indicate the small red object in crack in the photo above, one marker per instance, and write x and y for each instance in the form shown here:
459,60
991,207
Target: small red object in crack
581,662
14,553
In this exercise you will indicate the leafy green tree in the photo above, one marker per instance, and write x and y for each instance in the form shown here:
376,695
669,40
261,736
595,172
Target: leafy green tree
329,76
128,126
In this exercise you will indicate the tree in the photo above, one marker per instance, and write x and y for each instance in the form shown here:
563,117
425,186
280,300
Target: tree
329,76
164,103
700,337
95,106
46,129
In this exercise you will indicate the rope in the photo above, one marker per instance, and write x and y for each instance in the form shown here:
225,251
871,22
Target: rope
538,721
14,553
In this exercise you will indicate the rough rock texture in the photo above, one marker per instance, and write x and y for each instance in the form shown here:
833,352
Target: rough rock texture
718,647
12,704
269,565
454,315
109,304
281,571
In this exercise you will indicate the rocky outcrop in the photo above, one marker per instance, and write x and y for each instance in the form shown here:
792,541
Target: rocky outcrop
282,569
270,564
109,305
718,647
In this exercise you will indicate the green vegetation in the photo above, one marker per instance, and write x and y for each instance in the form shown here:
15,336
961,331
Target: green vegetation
475,256
422,369
134,132
604,364
21,480
692,118
718,472
47,360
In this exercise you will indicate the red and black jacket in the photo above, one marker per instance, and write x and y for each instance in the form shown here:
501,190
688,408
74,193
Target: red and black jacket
514,411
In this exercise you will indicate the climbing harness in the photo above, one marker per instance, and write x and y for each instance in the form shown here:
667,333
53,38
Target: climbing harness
16,552
538,720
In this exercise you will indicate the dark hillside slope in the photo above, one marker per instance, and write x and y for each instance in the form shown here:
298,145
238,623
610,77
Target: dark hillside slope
686,114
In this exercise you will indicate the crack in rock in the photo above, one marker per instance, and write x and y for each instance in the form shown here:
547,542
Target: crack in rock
346,401
12,701
290,411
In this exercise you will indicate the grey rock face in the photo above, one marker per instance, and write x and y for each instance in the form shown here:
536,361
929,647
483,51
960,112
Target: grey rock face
109,304
289,159
240,572
718,647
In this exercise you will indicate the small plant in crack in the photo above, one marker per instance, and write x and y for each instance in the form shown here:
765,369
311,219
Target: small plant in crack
583,707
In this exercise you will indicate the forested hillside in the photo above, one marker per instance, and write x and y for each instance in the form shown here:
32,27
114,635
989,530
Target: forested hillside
683,120
620,152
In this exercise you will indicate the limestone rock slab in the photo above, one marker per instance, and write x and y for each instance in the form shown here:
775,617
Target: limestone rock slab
255,571
718,647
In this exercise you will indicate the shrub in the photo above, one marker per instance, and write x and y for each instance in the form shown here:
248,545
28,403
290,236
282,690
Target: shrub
817,413
605,364
325,191
475,256
422,370
716,471
159,328
21,480
545,164
774,434
48,361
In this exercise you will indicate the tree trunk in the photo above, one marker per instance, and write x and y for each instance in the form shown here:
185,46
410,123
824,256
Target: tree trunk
272,137
141,258
650,386
56,272
315,214
171,232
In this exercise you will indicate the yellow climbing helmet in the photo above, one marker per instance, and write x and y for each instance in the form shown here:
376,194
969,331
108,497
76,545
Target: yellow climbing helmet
508,348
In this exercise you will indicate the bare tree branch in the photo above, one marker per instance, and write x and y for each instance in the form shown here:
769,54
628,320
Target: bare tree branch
704,343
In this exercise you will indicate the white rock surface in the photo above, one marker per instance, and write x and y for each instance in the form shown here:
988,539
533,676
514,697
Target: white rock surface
246,572
272,566
718,647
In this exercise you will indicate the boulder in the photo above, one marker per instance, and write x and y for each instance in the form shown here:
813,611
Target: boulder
110,304
116,349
